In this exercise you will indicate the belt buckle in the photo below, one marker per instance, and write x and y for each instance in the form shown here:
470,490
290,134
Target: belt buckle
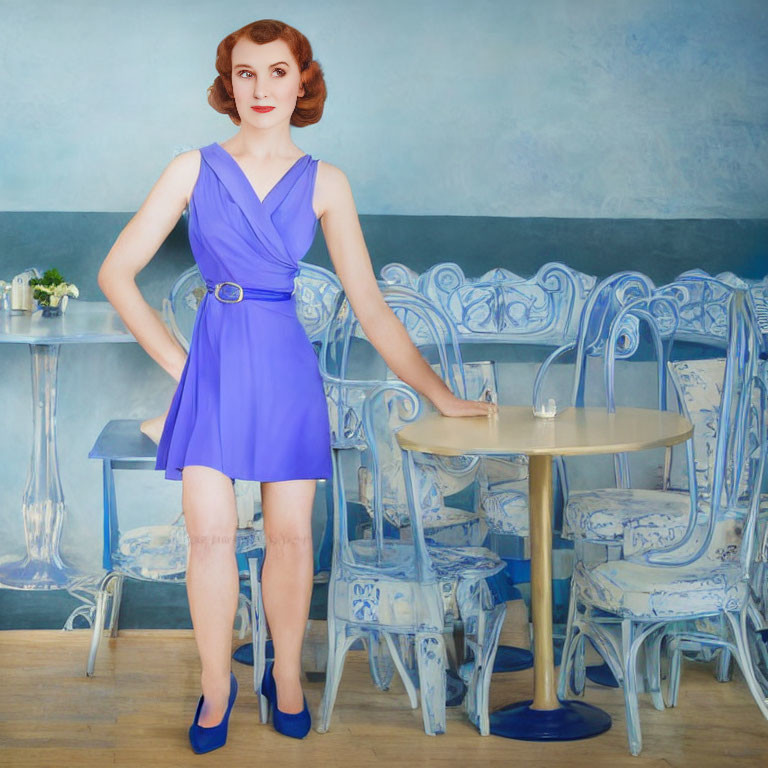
228,301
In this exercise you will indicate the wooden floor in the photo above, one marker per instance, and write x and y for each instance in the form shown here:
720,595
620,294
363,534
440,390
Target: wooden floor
137,709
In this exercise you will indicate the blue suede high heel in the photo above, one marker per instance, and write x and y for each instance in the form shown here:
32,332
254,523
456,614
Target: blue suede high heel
205,739
296,725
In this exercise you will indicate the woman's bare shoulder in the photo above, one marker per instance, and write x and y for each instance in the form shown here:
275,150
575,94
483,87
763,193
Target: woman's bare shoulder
331,187
184,169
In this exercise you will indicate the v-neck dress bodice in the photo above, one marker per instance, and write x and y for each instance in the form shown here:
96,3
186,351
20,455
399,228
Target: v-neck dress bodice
250,400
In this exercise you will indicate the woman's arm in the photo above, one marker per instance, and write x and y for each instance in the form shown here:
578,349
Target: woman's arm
346,246
133,250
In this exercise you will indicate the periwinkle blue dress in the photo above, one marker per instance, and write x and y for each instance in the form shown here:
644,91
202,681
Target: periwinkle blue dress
250,401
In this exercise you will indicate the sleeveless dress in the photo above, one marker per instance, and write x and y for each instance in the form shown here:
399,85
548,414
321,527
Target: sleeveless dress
250,400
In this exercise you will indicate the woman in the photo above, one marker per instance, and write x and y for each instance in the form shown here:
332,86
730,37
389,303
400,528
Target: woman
250,401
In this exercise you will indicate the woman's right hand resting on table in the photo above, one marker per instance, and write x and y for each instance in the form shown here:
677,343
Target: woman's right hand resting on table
455,406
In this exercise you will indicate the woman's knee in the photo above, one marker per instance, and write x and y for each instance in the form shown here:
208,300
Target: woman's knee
210,510
288,538
212,538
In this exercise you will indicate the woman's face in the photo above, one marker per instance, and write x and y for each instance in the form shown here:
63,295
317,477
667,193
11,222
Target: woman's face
265,76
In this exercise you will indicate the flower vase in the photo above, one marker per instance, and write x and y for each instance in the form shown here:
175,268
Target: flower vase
49,311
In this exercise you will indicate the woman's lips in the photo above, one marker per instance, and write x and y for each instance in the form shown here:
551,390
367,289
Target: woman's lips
262,109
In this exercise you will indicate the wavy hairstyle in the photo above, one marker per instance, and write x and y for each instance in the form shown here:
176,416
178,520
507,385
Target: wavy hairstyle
309,108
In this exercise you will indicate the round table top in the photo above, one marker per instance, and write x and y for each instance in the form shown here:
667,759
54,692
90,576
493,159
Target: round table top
83,322
573,432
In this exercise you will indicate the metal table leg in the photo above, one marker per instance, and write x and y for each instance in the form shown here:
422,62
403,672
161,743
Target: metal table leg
545,718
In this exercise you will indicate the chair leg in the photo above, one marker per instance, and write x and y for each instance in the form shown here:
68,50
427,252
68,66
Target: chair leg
629,653
673,675
97,629
578,678
402,664
339,642
258,633
569,648
379,660
757,644
243,616
739,627
117,597
432,661
653,668
723,666
480,683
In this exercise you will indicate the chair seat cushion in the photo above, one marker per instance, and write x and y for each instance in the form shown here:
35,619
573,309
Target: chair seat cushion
637,590
465,562
158,552
639,519
506,508
384,589
454,527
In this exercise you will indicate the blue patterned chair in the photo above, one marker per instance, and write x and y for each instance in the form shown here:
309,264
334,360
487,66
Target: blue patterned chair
391,587
624,520
153,552
688,310
351,368
501,307
504,308
622,605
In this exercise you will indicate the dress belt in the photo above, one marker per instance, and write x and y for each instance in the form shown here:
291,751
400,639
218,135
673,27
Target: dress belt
233,293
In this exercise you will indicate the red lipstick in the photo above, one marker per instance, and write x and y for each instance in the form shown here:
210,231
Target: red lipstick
262,109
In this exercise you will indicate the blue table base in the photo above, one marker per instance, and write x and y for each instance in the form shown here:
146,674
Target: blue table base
602,675
244,653
512,659
572,720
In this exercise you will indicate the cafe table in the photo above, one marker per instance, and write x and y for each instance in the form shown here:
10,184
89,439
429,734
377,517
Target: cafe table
42,505
572,432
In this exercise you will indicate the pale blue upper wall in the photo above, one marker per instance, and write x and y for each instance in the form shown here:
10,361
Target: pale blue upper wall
564,108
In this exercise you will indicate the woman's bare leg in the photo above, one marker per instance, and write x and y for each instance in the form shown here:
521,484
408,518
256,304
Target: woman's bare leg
286,581
210,514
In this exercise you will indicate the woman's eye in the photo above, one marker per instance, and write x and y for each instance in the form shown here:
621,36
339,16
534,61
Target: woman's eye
246,72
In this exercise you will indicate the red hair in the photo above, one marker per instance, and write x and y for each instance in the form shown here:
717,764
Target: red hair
309,108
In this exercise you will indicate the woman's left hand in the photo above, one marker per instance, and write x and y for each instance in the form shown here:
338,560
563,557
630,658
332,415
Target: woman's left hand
458,407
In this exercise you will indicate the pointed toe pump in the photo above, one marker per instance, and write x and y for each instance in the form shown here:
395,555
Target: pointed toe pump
296,725
205,739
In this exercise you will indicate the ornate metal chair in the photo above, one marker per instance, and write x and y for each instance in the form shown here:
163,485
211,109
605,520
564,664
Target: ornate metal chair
523,315
500,305
626,519
352,368
688,310
156,552
621,605
396,587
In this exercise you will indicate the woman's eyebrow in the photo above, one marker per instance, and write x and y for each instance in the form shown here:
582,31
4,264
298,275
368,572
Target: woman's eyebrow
248,66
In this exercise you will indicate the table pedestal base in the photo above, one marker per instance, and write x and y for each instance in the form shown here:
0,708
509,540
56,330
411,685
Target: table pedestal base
571,720
244,653
602,675
512,659
31,573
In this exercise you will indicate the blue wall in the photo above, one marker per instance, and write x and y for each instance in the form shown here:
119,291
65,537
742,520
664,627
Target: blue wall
602,108
607,134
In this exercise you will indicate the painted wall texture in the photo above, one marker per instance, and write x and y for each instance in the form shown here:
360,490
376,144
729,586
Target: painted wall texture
608,134
559,108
